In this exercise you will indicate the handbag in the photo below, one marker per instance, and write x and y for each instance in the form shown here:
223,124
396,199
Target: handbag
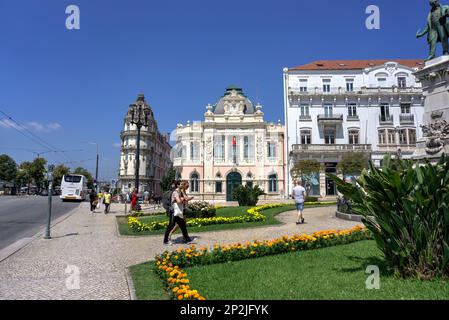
177,211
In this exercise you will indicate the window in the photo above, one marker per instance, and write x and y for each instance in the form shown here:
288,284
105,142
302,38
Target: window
218,186
219,147
402,82
391,135
403,136
326,85
248,147
302,85
271,150
329,135
306,136
305,111
194,150
349,85
353,136
233,149
411,136
384,112
405,108
352,110
383,136
328,110
382,82
194,183
272,183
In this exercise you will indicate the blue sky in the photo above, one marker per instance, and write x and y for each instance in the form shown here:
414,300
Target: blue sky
71,87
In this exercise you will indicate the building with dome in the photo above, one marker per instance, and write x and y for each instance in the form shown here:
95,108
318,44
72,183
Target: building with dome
154,154
233,146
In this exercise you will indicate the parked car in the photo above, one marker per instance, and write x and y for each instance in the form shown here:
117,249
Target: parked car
44,193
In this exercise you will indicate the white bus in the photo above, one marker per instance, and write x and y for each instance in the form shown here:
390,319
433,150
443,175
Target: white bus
73,187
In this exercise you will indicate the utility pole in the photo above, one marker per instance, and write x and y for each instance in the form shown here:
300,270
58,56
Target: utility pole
50,196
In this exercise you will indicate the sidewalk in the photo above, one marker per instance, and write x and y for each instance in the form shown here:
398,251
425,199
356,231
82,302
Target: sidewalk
91,242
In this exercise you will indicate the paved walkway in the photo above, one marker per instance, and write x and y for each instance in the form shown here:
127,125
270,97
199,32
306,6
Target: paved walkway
91,242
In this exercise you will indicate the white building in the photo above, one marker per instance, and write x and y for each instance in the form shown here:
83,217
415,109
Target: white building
336,107
233,146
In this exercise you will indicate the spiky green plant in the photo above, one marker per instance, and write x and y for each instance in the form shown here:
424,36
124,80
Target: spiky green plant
405,205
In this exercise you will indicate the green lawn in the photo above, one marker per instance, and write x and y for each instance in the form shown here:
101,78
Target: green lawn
149,286
270,214
330,273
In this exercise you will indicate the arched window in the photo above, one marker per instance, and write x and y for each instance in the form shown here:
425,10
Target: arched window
218,183
194,182
272,183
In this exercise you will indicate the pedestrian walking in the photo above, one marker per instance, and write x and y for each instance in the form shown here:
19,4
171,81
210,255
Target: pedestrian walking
134,200
146,196
107,201
93,198
299,194
179,201
100,199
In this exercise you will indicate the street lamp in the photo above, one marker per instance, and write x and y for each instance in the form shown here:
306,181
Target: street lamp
139,116
96,167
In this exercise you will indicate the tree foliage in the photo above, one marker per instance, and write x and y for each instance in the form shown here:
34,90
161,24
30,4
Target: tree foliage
87,174
8,168
167,179
58,173
353,163
247,195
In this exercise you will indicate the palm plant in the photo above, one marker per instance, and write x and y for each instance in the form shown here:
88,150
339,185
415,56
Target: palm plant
405,206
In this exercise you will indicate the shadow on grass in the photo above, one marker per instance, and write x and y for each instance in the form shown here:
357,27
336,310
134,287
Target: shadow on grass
364,263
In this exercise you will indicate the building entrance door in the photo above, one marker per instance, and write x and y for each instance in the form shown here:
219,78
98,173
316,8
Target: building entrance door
233,180
331,189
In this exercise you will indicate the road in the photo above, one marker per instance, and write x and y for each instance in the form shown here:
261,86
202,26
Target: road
23,217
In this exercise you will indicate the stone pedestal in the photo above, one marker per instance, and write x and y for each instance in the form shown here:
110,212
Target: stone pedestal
435,82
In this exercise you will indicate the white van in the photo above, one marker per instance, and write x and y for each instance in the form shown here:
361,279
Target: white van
73,187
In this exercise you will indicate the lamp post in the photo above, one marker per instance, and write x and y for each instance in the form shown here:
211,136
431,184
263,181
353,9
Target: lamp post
139,116
96,166
50,195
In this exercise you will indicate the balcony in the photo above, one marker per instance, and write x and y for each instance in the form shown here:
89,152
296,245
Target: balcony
407,118
330,118
386,120
353,118
319,148
355,92
305,118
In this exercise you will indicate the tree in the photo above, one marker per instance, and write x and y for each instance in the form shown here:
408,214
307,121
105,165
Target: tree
167,179
353,163
23,176
58,173
37,172
8,168
84,172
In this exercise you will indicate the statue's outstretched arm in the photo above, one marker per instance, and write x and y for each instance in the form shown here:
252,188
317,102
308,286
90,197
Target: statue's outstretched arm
425,31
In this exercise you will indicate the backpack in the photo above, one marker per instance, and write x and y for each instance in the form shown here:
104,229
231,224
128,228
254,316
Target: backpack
166,200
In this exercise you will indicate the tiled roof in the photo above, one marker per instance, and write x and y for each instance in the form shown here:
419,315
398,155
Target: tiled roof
355,64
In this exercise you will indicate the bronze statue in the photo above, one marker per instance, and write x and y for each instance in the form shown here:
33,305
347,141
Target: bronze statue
437,28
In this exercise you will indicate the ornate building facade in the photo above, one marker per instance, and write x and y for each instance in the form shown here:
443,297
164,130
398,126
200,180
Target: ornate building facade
233,146
154,154
333,108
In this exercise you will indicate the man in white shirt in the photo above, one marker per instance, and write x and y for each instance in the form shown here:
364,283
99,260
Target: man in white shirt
299,194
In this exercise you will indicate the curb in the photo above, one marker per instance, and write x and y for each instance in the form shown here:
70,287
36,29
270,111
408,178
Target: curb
348,217
130,283
12,249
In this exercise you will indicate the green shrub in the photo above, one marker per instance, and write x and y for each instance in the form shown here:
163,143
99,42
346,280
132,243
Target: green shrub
406,208
247,196
311,199
200,209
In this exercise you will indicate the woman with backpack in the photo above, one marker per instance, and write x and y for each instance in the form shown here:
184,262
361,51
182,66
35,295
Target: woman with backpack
179,200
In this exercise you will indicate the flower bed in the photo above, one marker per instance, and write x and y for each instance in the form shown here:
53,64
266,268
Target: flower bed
169,266
252,215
